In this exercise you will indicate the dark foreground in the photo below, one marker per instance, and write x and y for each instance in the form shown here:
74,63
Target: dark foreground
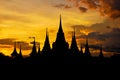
59,60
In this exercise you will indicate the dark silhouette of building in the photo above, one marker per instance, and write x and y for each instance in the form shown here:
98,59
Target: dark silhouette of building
74,48
34,50
101,52
60,46
39,52
46,51
81,49
14,53
59,54
87,50
20,53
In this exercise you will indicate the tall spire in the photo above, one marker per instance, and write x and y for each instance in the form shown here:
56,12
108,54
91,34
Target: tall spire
47,37
60,46
14,53
60,34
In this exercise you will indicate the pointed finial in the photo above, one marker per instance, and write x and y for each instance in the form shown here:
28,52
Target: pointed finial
15,44
74,31
46,31
73,34
101,48
33,38
86,39
81,48
60,16
101,52
60,20
20,49
60,30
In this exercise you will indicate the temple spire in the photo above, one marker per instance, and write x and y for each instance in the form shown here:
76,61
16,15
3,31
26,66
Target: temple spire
14,53
74,48
101,52
20,53
81,49
74,43
87,51
60,26
60,46
34,50
39,53
47,37
46,49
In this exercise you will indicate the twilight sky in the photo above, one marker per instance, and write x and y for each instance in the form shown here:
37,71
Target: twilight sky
97,19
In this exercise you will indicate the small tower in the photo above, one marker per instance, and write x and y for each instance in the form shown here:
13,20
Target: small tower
74,48
34,50
87,50
20,53
46,49
101,52
81,49
39,53
14,53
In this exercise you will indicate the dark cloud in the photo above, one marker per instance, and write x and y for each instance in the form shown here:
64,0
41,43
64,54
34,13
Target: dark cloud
9,42
100,34
97,36
103,27
83,9
62,6
25,46
95,47
108,27
111,8
115,50
110,40
5,46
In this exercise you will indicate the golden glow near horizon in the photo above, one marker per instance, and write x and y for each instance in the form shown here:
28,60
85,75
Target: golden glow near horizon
20,19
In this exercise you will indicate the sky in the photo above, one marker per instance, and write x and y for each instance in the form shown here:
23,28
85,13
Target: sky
99,20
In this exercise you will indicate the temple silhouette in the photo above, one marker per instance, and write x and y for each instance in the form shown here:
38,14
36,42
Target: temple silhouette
60,53
60,46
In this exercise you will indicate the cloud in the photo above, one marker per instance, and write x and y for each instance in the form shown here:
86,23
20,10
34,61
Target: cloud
109,40
5,46
110,8
98,36
65,6
82,9
25,46
9,42
106,34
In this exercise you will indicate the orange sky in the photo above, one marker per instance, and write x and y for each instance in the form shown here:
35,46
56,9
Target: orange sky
20,19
